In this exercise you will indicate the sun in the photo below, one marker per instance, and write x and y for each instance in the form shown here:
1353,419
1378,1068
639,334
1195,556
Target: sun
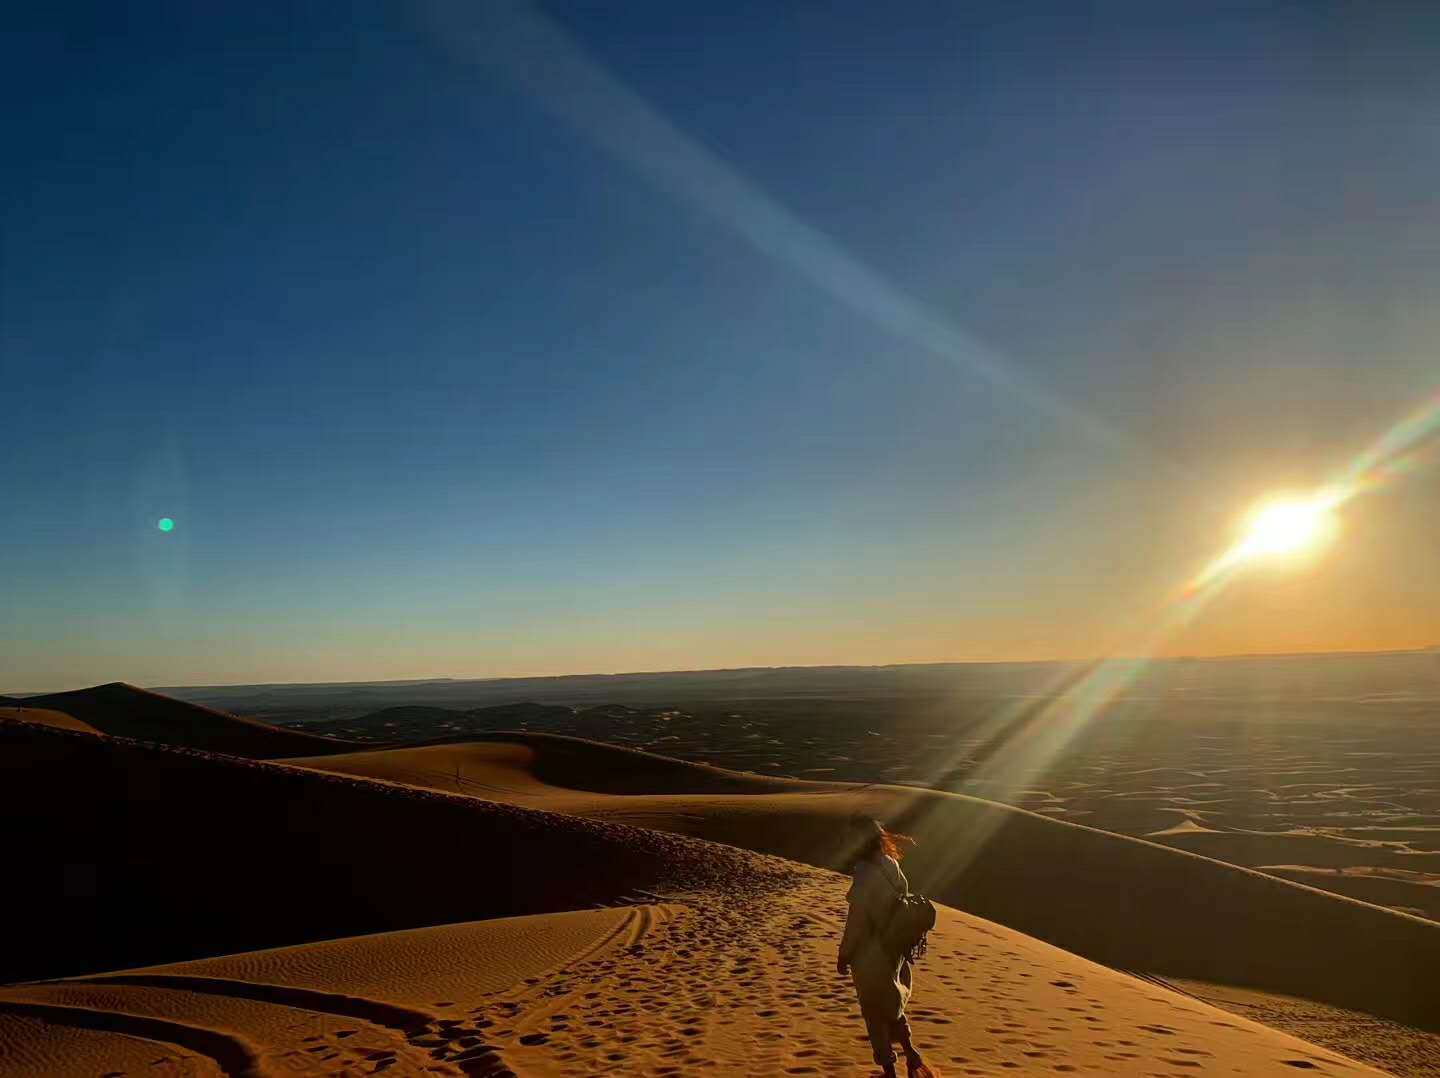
1285,530
1286,527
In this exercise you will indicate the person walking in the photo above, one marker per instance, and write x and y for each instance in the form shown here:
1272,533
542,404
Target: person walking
882,976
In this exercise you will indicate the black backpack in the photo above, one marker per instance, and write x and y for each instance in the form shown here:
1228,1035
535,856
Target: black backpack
907,924
910,922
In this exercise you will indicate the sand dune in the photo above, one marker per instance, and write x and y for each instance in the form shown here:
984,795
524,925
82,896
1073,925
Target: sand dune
126,711
1319,764
333,1007
45,717
35,1046
733,982
1118,900
124,853
702,955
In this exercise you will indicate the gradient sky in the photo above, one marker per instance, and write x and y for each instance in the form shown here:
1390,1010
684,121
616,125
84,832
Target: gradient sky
645,336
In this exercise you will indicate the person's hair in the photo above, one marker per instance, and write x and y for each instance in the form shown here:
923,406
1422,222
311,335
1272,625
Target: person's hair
875,836
893,844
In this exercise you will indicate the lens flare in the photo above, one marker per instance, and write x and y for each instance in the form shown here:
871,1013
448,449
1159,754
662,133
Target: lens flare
1023,740
165,524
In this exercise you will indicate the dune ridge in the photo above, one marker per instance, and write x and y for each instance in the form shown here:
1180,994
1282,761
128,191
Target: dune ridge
1286,772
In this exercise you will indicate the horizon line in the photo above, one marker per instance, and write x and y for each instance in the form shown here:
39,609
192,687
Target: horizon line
431,679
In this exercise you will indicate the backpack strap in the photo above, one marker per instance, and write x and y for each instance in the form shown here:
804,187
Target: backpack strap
891,883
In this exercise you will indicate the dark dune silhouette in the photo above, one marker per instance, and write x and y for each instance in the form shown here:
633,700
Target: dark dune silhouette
124,852
126,711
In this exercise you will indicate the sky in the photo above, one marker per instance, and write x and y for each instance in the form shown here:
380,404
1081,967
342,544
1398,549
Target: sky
503,339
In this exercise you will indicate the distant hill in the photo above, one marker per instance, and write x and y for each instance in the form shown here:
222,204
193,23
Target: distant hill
421,723
126,711
1316,678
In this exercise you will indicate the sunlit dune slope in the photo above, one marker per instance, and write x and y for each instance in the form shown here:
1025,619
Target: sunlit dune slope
126,711
548,765
718,981
725,964
43,717
1117,900
121,853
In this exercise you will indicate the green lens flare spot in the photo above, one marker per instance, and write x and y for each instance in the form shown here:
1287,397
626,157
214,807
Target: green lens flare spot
165,524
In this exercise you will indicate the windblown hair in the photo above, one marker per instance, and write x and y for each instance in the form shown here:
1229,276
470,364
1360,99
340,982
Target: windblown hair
893,844
876,838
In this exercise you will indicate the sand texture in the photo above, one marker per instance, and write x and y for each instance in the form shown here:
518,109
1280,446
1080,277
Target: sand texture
1126,903
716,981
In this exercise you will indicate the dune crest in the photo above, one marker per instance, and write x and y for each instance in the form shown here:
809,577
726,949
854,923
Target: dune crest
1123,898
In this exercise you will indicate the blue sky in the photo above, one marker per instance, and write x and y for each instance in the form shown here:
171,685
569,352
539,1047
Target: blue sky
434,379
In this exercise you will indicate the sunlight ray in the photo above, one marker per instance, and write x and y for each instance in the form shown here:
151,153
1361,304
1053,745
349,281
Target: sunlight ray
529,50
1028,739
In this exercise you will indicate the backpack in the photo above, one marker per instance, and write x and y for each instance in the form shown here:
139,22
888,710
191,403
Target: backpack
910,922
907,924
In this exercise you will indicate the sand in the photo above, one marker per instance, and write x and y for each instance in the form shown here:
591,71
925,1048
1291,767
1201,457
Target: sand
714,981
126,853
1319,769
624,949
46,717
1127,903
36,1046
334,1007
